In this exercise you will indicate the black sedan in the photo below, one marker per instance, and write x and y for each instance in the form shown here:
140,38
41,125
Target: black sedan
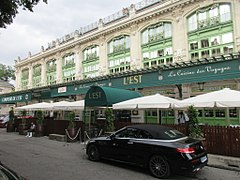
161,149
8,174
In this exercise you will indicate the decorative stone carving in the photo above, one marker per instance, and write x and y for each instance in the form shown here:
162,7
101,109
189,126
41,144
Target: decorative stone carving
125,11
100,23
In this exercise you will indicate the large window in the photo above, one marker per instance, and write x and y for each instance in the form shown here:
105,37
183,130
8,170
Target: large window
24,79
214,35
225,13
68,67
36,81
119,64
215,45
157,45
119,54
51,66
209,16
91,53
119,44
69,60
157,32
91,62
91,70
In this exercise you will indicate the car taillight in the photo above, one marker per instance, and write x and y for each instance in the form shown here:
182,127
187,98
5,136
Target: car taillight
186,150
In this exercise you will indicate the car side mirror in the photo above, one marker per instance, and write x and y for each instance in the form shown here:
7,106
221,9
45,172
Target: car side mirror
112,136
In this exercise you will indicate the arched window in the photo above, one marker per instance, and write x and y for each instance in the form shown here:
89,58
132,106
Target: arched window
69,67
119,54
24,79
69,60
36,79
157,44
51,71
91,53
157,32
209,16
90,62
210,31
118,44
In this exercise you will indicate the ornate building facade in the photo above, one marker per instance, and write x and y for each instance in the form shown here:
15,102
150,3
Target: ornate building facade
175,47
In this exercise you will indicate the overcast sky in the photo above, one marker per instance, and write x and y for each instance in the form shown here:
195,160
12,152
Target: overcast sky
31,30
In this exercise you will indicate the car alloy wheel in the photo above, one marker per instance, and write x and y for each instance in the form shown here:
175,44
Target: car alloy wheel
159,167
93,153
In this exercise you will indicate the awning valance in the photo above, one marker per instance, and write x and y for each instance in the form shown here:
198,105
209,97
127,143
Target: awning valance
106,96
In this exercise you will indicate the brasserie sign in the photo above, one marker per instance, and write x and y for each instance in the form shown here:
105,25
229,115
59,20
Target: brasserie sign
190,74
15,98
203,70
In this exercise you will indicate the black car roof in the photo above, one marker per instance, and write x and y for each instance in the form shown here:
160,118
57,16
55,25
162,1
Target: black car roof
157,131
150,127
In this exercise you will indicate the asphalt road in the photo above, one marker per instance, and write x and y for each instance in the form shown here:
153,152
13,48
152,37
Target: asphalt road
43,159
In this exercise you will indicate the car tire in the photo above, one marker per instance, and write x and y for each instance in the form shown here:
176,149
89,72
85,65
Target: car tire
93,153
159,167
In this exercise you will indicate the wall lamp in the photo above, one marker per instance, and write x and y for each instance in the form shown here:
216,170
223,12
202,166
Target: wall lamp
201,86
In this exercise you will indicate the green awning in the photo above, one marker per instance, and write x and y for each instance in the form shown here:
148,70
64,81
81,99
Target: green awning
105,96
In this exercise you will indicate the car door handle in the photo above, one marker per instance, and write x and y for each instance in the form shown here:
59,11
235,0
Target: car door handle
130,142
115,144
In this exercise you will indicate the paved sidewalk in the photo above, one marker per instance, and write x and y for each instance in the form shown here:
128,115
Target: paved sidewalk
224,162
217,161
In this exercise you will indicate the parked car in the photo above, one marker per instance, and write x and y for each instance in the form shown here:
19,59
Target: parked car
2,116
4,121
8,174
161,149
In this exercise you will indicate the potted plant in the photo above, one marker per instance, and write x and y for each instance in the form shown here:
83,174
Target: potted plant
23,127
109,118
194,129
71,129
39,122
10,124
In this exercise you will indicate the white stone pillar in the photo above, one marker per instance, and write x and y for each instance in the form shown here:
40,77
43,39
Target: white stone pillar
103,60
180,39
236,23
59,68
18,75
135,48
43,72
78,63
30,77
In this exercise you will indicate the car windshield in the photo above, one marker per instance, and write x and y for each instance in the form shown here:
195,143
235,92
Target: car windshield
149,132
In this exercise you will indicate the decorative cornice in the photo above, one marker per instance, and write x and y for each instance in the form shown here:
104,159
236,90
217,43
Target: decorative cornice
118,25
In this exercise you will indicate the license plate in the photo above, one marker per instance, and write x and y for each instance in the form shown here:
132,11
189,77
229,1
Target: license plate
203,159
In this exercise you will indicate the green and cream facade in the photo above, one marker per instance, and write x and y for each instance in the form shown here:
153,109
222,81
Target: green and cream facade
136,47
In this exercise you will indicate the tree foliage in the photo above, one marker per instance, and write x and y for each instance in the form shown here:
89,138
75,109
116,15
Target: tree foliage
9,9
72,123
39,116
6,73
110,119
195,130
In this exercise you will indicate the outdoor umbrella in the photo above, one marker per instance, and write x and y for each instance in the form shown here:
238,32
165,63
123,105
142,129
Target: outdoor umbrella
222,98
61,105
36,106
156,101
66,105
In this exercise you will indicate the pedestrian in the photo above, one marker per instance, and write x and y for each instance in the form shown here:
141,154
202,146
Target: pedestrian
31,130
182,118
